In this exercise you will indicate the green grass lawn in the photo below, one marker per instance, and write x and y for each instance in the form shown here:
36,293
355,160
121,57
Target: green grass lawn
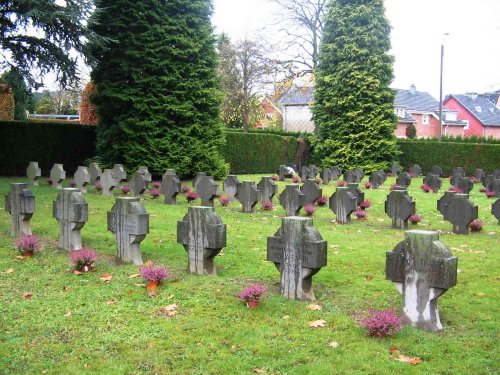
80,324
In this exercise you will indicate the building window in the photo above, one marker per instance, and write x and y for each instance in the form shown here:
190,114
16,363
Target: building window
466,127
425,119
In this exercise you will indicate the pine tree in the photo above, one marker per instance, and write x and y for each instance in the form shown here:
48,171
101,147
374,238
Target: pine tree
353,110
157,86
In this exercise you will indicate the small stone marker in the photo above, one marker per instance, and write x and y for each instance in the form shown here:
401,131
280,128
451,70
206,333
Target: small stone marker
359,174
437,170
350,177
71,212
326,176
495,210
82,178
139,184
57,175
313,172
95,173
268,189
376,179
108,182
304,173
416,170
343,203
207,189
488,179
145,172
433,181
292,200
170,186
356,191
118,173
129,221
494,186
496,174
203,235
395,169
312,192
197,179
33,172
442,202
464,184
479,174
20,203
458,171
404,179
248,195
231,184
336,172
282,172
422,269
460,211
298,252
399,206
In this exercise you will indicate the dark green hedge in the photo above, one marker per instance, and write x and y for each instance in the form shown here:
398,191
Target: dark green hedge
449,155
44,142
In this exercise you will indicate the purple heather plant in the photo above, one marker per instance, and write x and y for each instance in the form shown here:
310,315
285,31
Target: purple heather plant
98,186
156,184
275,177
185,189
84,256
267,205
295,179
456,190
125,189
310,209
155,193
474,180
154,272
191,196
322,201
394,186
253,292
415,219
425,188
381,323
361,214
364,205
340,183
368,185
224,200
490,194
483,190
476,225
29,243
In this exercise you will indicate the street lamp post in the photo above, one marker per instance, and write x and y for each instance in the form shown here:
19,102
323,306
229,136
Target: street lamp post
441,91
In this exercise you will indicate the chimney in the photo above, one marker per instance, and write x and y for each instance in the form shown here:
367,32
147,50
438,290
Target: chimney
413,89
471,95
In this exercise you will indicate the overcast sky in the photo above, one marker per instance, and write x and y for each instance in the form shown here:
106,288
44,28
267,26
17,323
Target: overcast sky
472,49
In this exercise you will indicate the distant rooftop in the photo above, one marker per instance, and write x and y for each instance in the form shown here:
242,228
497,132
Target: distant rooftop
482,108
297,96
414,100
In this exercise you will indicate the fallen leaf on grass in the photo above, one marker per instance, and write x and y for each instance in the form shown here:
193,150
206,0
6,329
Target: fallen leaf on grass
106,277
259,371
317,323
368,278
333,344
22,257
285,317
112,301
152,293
140,285
75,272
171,296
134,276
27,295
405,359
169,310
314,307
481,294
66,288
394,350
67,314
10,270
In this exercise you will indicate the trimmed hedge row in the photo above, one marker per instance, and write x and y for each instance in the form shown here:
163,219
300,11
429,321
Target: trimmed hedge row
44,142
449,155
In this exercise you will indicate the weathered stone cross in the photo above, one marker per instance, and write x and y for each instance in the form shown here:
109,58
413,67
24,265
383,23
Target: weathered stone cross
71,212
343,203
292,200
268,189
399,206
248,195
20,203
170,186
33,172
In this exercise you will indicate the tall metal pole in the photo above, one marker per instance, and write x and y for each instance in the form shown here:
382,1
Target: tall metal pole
441,95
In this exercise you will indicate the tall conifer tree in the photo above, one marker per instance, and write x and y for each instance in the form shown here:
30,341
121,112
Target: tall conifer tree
353,110
157,87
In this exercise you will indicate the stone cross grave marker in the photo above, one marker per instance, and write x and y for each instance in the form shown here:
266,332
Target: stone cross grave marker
495,210
399,206
312,192
376,179
460,211
343,203
197,179
395,169
118,173
359,174
95,173
292,200
57,175
479,174
422,269
248,195
33,172
231,185
458,171
313,172
145,172
464,184
356,191
20,203
108,182
350,177
282,172
433,181
298,251
326,176
208,190
442,203
129,222
170,186
416,170
336,172
304,173
268,189
71,212
488,179
82,178
404,179
139,184
203,235
496,173
437,170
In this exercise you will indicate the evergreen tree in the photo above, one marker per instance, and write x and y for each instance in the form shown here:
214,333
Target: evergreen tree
157,86
22,95
353,110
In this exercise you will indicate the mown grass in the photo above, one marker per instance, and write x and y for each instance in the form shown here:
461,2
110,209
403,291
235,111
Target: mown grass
116,328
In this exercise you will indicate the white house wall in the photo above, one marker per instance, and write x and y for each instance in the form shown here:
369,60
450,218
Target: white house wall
298,118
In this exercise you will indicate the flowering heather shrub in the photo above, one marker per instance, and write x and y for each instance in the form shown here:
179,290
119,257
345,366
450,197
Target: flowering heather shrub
483,190
191,196
364,205
267,205
322,201
155,193
72,183
98,186
381,323
156,184
185,189
490,194
295,179
456,190
414,219
275,177
425,188
394,186
84,256
310,209
29,243
253,292
474,180
224,200
340,183
368,185
154,272
49,181
411,174
361,214
476,225
125,189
